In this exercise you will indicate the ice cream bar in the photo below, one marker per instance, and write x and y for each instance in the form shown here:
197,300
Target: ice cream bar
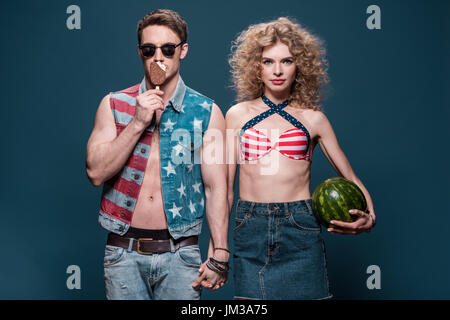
157,73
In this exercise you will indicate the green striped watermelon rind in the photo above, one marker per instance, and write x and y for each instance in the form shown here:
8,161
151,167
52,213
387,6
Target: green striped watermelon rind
328,205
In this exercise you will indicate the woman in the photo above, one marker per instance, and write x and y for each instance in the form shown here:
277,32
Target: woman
278,68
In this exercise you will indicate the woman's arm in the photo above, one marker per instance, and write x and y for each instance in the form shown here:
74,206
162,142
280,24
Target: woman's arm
328,142
232,147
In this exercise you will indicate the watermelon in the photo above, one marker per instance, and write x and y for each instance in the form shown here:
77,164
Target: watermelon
334,197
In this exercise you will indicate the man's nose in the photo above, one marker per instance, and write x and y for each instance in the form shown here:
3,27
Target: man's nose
158,55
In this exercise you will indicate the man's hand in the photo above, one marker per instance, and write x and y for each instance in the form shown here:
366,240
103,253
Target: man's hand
147,104
210,279
362,223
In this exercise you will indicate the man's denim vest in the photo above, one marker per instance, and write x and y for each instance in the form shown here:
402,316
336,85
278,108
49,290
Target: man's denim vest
182,126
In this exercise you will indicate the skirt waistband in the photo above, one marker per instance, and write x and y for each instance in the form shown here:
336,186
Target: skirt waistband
274,207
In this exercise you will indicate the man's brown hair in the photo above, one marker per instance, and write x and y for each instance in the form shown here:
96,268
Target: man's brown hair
164,17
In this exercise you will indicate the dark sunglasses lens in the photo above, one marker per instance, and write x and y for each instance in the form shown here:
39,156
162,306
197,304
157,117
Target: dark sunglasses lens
148,51
168,50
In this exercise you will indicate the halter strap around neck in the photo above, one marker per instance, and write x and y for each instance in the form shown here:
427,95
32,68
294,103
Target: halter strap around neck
275,108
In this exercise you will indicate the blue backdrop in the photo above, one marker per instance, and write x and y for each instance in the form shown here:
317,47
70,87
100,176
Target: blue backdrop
387,100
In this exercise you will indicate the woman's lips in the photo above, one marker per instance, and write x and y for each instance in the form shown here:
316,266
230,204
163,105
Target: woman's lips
277,82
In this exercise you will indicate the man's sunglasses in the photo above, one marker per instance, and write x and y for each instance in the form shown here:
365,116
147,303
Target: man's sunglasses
148,50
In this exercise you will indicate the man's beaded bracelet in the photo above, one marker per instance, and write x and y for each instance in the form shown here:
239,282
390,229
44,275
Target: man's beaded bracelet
215,267
220,266
224,249
221,262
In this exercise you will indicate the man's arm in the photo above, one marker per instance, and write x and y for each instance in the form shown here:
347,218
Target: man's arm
214,176
107,152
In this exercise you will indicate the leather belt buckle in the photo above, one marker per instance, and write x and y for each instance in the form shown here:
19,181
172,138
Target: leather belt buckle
138,249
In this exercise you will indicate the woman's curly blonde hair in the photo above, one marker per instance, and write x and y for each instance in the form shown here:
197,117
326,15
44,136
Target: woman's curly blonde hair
308,53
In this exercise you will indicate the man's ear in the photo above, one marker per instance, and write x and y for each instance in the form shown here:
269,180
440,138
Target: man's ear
184,50
140,54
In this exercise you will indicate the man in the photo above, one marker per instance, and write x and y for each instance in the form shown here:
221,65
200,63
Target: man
148,147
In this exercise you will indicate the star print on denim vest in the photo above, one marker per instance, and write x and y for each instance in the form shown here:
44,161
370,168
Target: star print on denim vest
182,126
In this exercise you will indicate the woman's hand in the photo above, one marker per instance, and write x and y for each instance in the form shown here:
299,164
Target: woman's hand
363,223
210,279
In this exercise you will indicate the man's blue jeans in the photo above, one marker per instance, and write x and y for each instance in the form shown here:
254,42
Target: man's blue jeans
166,276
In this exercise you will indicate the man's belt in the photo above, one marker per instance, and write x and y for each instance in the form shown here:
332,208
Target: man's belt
149,245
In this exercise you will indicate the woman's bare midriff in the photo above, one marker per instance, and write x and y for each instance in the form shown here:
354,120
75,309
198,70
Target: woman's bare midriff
274,178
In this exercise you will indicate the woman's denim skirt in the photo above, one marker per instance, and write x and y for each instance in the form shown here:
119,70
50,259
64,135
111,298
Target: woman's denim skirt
279,252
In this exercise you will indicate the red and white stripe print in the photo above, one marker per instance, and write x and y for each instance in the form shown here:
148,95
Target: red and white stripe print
292,143
254,144
123,106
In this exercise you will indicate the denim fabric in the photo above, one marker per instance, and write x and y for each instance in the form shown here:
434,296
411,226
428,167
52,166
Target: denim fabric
182,126
279,252
129,275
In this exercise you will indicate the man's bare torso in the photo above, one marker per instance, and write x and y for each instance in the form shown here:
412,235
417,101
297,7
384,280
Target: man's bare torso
149,210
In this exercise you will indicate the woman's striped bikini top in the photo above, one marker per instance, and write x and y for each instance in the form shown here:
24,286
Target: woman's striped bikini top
293,143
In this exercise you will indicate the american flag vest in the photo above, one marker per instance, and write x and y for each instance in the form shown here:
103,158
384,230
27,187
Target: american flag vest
182,126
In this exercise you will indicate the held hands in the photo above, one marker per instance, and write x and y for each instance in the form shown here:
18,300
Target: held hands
209,276
363,223
147,104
